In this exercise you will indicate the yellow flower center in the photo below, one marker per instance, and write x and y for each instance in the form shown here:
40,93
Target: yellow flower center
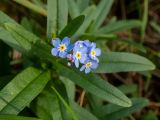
62,48
93,53
78,55
88,64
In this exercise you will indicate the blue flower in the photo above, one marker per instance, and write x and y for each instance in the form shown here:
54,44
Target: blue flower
61,48
94,52
88,65
79,53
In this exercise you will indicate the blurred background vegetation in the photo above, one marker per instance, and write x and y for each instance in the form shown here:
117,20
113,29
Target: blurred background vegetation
144,40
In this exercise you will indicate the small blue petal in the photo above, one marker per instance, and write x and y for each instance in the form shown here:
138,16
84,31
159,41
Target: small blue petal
54,51
70,47
93,45
87,70
87,43
66,41
82,68
83,58
94,65
94,58
84,49
56,42
76,48
76,63
79,43
98,51
62,54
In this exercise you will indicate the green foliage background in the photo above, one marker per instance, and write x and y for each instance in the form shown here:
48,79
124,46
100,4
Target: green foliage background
44,87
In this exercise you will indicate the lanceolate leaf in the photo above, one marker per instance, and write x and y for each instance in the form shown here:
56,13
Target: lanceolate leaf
119,26
22,36
74,117
12,117
18,93
51,17
121,62
96,86
70,88
128,88
89,17
49,110
102,11
73,8
72,27
83,4
57,16
4,18
112,112
62,14
82,113
5,35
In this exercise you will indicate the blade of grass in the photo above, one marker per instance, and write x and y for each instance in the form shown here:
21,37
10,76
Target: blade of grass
62,14
51,18
32,6
144,19
65,104
155,26
73,9
102,11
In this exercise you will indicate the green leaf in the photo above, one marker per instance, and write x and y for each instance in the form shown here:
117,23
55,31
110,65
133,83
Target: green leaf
73,8
72,27
62,14
12,117
150,115
32,6
5,18
6,37
49,110
155,26
102,11
57,16
122,62
51,18
66,112
128,88
89,17
83,4
133,44
18,93
95,85
70,88
119,26
112,112
22,36
82,113
74,117
99,37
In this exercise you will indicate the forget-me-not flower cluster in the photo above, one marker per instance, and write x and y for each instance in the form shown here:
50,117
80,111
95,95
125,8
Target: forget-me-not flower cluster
81,53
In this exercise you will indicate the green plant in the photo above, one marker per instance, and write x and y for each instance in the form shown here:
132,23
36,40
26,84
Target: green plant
47,85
